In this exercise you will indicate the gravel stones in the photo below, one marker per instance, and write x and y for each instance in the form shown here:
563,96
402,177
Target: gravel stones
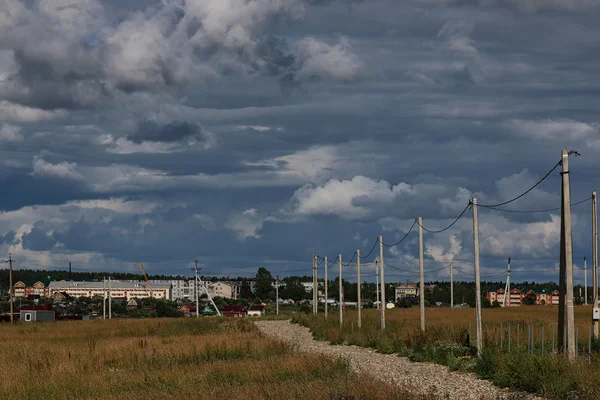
432,380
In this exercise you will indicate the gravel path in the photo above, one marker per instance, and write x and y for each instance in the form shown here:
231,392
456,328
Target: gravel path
421,378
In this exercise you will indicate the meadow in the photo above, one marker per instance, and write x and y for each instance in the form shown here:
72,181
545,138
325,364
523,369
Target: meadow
206,358
449,339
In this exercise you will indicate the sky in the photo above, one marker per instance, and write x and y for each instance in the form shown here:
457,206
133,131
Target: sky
246,133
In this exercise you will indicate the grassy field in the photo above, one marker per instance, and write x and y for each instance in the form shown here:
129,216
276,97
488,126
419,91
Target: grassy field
208,358
447,340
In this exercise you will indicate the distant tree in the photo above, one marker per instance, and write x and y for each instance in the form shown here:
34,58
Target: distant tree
495,304
293,290
245,291
264,284
530,299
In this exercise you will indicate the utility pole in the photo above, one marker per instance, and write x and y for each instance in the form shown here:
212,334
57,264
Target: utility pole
326,286
562,286
595,256
196,294
477,274
358,305
507,287
10,283
421,275
383,303
109,299
104,297
377,283
452,285
568,254
341,287
585,279
277,295
314,283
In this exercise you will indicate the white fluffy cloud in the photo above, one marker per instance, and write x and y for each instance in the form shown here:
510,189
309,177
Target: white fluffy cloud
10,133
246,225
63,170
317,58
18,113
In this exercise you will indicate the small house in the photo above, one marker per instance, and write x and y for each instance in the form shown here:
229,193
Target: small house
36,315
133,304
235,311
256,311
187,309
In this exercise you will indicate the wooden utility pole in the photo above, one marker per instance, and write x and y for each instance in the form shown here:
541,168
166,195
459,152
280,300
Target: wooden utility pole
451,285
326,286
477,275
341,288
358,303
381,263
421,275
568,254
585,279
11,287
595,256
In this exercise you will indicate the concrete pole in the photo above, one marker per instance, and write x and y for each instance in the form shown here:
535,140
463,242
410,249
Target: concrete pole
421,275
477,275
568,255
358,303
585,279
11,287
381,264
316,284
562,285
326,286
595,256
377,282
109,299
277,296
341,289
103,298
314,297
196,291
507,288
452,285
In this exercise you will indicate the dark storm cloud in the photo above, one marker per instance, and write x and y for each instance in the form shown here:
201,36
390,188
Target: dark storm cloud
170,116
171,132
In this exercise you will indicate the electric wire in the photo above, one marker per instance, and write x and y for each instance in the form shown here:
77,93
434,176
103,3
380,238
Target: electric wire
372,248
401,240
535,211
525,192
449,226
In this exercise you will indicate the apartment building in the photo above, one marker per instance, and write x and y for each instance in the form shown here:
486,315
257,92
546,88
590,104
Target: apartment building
406,290
118,289
29,288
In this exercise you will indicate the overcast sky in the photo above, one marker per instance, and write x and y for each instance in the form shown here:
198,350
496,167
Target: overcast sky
257,132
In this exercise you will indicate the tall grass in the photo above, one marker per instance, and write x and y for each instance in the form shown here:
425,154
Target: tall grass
449,340
163,359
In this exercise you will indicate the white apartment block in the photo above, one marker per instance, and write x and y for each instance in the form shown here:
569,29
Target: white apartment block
118,289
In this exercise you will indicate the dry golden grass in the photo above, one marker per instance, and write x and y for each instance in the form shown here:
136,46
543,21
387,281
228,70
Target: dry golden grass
162,359
447,323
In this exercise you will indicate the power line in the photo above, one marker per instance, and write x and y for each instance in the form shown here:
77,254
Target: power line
401,240
449,226
525,192
534,211
372,248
